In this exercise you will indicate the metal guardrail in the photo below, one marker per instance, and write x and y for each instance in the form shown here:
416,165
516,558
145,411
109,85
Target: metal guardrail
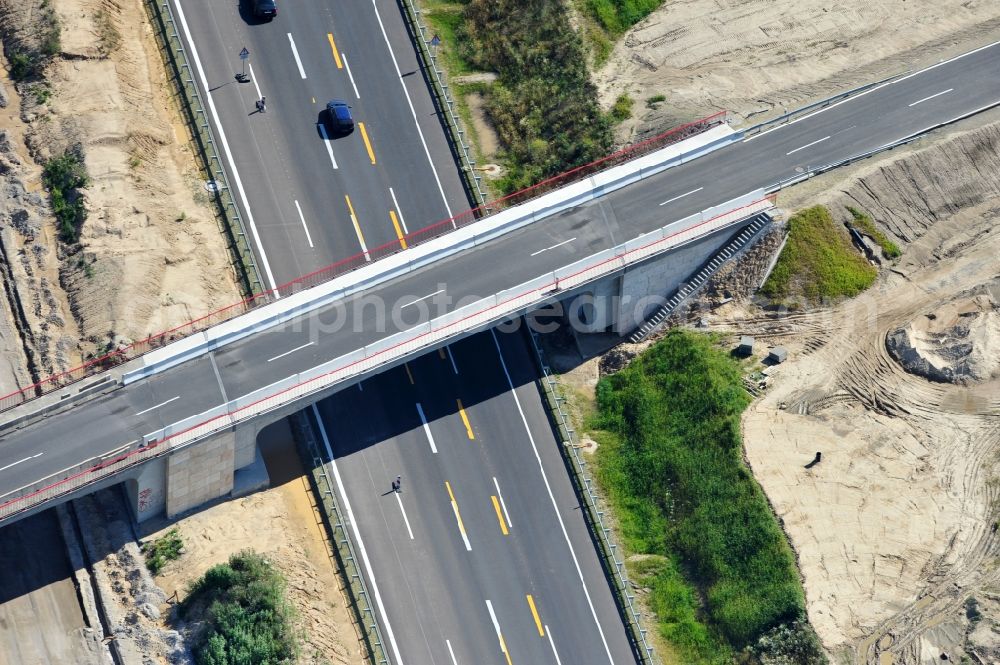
594,513
786,117
207,149
343,548
445,104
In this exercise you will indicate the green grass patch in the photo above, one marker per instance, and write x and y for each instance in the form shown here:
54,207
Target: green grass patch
168,546
622,109
246,616
655,100
818,260
617,16
670,461
543,104
445,19
63,176
890,250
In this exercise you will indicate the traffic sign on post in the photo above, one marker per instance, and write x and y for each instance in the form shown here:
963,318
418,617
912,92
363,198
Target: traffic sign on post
244,55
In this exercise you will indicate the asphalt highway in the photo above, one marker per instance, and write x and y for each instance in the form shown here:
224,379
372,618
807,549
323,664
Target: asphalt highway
486,521
870,120
313,197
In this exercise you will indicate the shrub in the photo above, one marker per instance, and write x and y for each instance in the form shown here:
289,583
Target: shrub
166,548
794,643
622,110
22,65
247,618
543,104
617,16
64,176
671,463
653,101
818,260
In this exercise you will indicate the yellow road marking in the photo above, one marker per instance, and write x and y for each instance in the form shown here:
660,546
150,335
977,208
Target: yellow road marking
458,516
357,227
336,54
534,612
503,647
465,419
503,525
399,234
314,100
368,144
409,373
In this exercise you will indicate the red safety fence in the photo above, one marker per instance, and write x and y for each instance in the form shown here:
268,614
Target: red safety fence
315,278
83,475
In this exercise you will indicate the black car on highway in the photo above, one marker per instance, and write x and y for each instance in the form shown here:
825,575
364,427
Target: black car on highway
265,9
339,116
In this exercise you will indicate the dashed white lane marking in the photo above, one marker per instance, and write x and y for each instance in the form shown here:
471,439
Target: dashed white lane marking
808,145
553,645
288,353
357,538
413,111
681,196
399,211
451,653
4,468
295,52
552,498
253,77
503,504
357,94
225,146
405,518
427,428
414,302
558,244
153,407
921,101
326,142
496,627
304,227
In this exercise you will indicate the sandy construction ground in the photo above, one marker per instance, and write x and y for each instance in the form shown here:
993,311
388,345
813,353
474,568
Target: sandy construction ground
758,57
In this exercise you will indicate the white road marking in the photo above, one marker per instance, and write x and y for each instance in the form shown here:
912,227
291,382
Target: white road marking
343,56
405,518
414,302
503,504
4,468
288,353
427,428
413,112
253,78
357,539
454,367
808,145
552,497
451,653
461,528
295,52
553,645
496,627
153,407
306,228
225,145
921,101
681,196
326,142
558,244
399,211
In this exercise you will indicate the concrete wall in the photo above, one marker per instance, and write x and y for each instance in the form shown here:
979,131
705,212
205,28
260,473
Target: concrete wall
202,472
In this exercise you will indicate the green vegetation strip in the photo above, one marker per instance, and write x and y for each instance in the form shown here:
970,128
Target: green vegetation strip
246,618
64,176
617,16
722,576
543,104
165,548
890,250
818,260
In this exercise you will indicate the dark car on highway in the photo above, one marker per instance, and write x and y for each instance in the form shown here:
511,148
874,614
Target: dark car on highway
339,116
265,9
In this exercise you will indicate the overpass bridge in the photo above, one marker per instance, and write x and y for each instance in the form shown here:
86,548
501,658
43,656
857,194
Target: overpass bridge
177,421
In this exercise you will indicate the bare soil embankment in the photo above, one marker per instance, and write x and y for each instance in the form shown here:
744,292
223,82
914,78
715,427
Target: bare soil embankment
759,59
151,253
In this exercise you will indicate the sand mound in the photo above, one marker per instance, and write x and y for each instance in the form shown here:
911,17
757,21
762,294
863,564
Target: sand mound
957,343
